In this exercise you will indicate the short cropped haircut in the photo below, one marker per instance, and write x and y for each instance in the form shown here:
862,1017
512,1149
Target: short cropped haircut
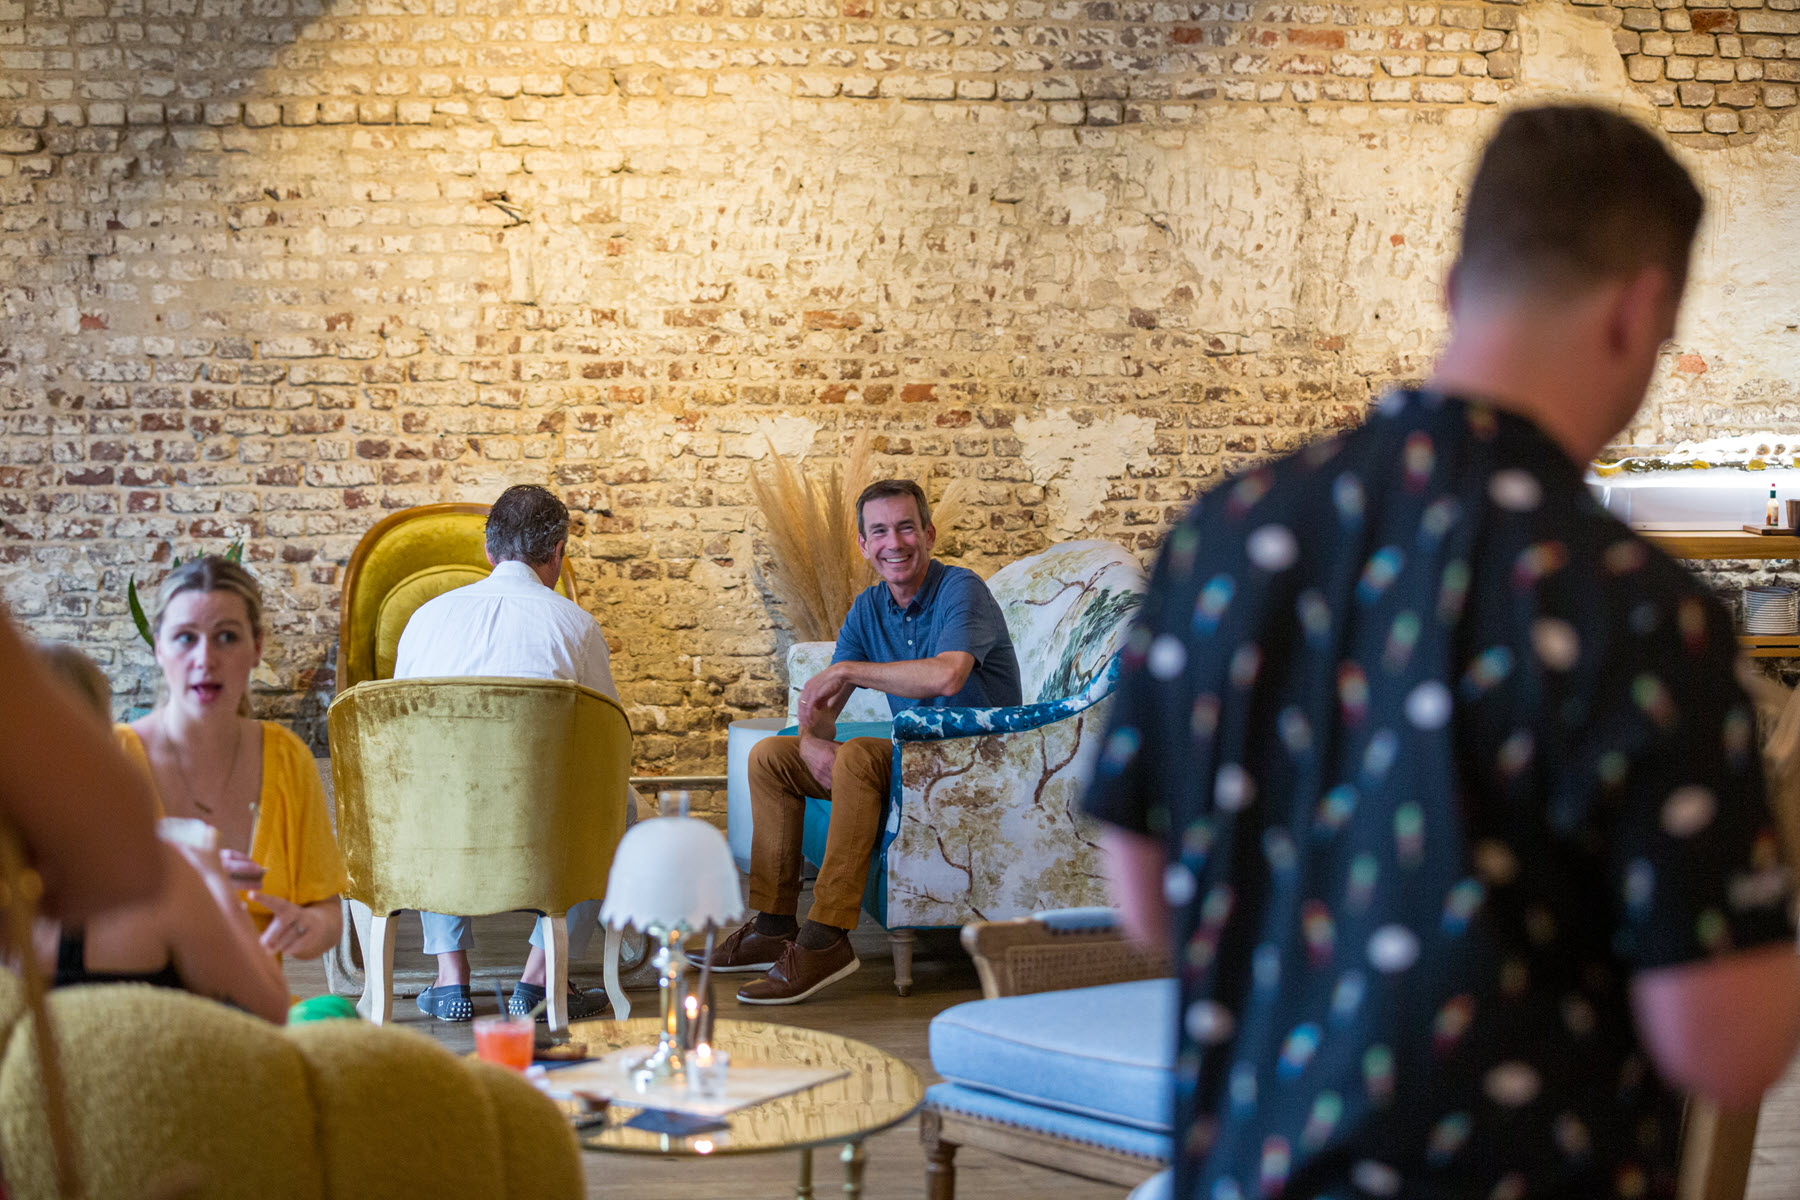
525,524
881,489
1568,196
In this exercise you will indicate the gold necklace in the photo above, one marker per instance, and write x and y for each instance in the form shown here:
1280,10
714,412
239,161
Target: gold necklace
187,784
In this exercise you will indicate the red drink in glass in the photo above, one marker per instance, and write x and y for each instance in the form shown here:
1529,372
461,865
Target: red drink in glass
505,1041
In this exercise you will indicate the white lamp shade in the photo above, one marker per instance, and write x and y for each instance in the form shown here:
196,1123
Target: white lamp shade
672,873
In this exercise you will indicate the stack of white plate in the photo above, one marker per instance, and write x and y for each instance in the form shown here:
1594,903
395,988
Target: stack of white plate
1770,610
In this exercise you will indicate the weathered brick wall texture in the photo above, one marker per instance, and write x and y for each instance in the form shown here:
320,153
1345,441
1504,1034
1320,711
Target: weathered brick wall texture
274,268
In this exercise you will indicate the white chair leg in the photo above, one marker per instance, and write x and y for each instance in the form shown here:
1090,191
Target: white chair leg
556,968
343,965
620,1005
901,942
377,1002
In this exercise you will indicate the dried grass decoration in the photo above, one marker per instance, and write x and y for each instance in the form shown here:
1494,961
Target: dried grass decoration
817,569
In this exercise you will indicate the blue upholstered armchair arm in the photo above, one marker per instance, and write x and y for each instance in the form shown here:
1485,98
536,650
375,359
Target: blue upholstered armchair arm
933,724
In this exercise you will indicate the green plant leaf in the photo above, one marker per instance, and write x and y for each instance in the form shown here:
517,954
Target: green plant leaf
233,553
137,613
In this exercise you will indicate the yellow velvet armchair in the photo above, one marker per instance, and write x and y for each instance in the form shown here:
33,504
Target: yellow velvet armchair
168,1094
476,796
406,559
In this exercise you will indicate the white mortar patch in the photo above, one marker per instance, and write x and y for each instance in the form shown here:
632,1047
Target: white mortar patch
792,437
1569,52
1055,442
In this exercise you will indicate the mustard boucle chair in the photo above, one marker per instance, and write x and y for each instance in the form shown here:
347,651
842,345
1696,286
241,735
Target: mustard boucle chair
170,1094
477,796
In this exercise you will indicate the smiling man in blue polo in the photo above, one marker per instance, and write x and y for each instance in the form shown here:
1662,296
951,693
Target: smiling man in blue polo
927,634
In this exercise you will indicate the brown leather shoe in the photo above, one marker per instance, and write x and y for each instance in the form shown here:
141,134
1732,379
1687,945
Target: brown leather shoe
745,950
800,972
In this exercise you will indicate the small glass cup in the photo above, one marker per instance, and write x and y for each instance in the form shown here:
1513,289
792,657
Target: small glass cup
505,1040
706,1068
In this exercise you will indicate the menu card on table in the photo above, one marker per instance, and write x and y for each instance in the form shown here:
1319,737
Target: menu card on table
745,1084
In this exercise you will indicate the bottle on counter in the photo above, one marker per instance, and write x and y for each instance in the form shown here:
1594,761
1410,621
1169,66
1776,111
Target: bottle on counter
1772,516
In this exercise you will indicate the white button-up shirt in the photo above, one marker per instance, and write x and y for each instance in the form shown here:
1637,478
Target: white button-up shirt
508,625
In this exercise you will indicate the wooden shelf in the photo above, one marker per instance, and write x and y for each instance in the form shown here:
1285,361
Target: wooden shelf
1735,543
1723,543
1786,645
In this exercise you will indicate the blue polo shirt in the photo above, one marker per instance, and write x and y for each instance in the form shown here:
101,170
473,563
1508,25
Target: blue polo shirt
953,611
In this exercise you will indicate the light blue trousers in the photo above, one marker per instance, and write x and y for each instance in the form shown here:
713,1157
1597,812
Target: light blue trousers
445,933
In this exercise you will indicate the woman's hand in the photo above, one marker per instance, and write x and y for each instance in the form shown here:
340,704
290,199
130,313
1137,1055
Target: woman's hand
219,883
300,930
243,871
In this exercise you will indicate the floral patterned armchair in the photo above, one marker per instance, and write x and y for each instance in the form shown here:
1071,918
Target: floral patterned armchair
982,820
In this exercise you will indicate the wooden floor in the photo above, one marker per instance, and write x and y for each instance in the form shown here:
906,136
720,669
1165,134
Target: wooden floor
863,1006
1775,1169
866,1007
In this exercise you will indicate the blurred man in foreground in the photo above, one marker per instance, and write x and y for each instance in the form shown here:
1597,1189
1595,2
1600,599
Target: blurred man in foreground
1436,778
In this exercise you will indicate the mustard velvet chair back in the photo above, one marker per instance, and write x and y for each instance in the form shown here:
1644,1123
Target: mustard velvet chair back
173,1095
405,560
477,796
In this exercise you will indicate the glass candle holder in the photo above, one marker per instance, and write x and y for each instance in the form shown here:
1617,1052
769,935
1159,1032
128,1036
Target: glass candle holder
706,1070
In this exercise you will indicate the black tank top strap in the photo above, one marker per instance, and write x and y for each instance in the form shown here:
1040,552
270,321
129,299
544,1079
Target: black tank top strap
71,955
71,965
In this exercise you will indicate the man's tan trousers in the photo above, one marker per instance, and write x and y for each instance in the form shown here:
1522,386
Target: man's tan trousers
779,785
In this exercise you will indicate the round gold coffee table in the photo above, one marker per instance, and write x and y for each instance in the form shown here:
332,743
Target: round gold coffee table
879,1092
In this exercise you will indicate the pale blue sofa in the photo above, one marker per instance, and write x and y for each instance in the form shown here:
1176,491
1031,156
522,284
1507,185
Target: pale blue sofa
1077,1078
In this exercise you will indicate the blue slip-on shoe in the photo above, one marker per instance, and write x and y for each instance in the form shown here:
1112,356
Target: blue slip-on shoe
447,1002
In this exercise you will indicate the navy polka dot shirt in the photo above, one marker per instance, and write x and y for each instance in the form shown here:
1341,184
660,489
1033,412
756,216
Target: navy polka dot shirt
1440,754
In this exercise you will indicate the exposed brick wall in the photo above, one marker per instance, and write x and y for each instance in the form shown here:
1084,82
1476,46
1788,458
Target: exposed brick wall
1722,70
273,269
1718,73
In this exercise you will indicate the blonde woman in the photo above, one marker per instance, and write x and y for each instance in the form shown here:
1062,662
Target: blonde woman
251,780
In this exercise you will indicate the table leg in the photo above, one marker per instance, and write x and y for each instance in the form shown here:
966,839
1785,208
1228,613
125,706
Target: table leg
854,1158
803,1189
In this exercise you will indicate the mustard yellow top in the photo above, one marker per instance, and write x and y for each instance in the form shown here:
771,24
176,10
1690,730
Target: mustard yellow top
293,840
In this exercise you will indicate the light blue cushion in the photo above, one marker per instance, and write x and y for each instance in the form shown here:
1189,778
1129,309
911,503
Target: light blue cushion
1090,1131
1102,1052
1072,919
1158,1187
852,729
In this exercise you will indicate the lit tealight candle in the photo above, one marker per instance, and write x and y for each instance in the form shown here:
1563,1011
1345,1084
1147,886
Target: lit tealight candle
706,1070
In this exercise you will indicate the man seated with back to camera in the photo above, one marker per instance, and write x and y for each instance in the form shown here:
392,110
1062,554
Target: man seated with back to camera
511,625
